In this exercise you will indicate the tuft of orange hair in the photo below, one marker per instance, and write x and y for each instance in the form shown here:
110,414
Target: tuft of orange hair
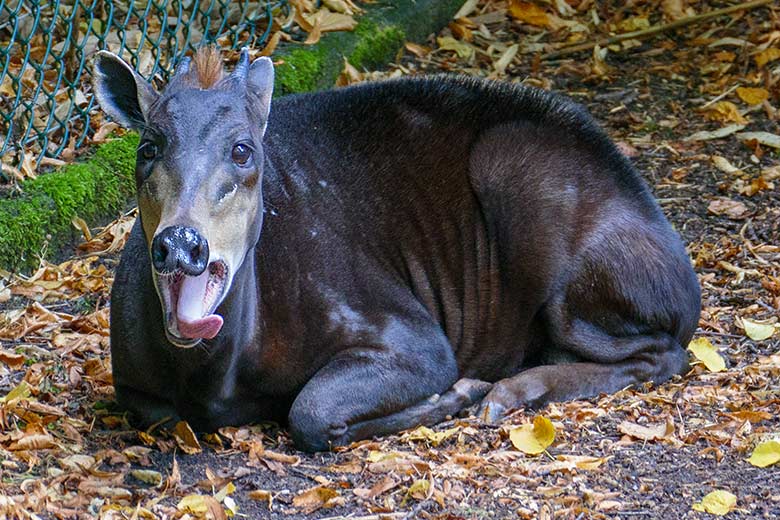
207,65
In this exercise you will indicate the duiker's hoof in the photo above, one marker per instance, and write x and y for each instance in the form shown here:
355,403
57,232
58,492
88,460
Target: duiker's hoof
491,412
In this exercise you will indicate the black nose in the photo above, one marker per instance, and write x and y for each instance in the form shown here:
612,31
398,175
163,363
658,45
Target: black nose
177,247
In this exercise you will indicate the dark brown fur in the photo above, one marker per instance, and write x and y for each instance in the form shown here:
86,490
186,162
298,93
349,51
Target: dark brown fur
424,242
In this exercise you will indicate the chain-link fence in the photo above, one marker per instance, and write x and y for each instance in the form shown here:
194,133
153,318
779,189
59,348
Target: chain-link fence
46,46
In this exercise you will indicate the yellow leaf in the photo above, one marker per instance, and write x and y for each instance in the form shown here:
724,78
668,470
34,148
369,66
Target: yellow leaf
203,506
533,438
765,454
635,23
147,476
752,96
765,56
528,13
448,43
418,491
20,391
225,491
756,330
703,351
725,111
193,503
435,438
718,502
147,439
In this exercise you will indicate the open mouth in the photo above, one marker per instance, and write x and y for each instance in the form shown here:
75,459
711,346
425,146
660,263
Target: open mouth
189,303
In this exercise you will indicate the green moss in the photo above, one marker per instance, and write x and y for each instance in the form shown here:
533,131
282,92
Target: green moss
376,45
299,72
41,214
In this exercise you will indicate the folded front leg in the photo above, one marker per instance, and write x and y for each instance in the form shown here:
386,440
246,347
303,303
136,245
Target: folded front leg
364,390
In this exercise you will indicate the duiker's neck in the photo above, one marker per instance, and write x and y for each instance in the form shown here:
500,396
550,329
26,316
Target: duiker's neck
241,307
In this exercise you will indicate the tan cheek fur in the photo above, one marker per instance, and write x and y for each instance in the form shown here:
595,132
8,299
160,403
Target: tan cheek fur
228,224
225,226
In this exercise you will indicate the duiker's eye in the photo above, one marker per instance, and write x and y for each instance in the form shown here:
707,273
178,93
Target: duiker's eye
148,150
241,154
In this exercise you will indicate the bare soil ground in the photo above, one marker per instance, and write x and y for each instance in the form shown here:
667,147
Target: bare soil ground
648,452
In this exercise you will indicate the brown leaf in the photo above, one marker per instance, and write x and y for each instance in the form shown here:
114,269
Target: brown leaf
13,360
35,441
733,209
262,495
315,498
186,438
418,50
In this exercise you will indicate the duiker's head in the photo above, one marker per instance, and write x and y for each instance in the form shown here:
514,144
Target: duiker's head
198,173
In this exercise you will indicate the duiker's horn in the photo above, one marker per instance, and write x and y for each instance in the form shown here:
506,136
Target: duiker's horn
242,67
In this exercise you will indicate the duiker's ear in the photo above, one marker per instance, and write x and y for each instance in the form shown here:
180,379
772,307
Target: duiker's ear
260,80
122,93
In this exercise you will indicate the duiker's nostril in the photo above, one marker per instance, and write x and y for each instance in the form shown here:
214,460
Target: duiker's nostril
177,247
160,253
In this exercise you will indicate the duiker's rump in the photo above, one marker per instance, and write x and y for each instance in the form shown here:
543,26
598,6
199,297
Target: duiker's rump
368,259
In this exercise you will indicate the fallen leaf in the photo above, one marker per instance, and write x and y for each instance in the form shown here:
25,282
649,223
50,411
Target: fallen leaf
20,391
756,330
423,433
716,134
724,165
533,438
765,454
35,441
765,138
725,111
418,490
767,55
315,498
506,58
418,50
466,9
147,476
186,438
262,495
77,462
731,208
752,96
717,502
203,506
13,360
653,431
529,13
705,352
448,43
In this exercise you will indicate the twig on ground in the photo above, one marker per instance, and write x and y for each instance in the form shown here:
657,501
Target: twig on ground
655,29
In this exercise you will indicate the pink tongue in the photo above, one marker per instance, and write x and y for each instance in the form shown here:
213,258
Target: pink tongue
190,309
206,327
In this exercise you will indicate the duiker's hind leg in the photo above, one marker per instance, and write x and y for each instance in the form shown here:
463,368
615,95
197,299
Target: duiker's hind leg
622,319
654,357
